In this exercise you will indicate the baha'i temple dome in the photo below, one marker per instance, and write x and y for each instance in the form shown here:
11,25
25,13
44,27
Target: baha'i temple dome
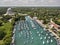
9,12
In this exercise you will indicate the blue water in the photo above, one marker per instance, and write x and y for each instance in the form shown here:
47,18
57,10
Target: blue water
29,32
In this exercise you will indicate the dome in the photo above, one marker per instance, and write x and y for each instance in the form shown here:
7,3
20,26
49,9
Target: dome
9,9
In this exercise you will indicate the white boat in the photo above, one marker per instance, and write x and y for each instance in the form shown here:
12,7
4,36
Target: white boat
39,34
41,31
46,34
12,40
44,37
51,40
49,37
30,32
43,42
41,38
14,30
32,38
47,41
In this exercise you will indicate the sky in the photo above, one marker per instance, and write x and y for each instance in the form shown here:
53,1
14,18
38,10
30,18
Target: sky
29,2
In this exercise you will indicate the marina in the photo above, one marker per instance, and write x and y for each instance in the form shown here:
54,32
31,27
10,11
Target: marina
26,34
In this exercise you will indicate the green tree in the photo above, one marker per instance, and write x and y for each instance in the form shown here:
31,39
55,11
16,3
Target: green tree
2,34
1,22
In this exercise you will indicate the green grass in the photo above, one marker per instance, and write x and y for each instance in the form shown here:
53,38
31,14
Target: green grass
7,28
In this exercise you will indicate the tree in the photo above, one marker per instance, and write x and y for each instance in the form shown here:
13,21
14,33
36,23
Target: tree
2,34
1,22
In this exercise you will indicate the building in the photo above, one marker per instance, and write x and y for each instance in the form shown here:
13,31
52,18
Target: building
9,12
35,18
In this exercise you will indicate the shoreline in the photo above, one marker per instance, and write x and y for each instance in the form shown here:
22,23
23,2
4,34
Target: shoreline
55,35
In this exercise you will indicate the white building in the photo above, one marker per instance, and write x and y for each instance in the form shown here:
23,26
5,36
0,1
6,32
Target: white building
9,12
34,18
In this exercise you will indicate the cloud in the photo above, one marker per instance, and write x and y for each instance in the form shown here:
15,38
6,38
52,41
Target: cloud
30,2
